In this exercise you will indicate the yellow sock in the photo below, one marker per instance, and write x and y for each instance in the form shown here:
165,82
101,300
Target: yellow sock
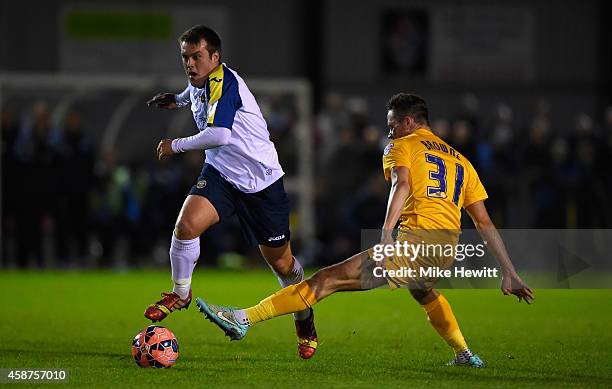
293,298
443,320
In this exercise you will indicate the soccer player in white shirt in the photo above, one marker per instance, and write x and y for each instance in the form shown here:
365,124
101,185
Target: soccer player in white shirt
241,175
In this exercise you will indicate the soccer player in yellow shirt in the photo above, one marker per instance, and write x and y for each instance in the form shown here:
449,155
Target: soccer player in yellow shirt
430,183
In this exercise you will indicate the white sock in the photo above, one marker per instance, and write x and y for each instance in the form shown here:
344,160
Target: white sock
181,287
241,316
184,255
464,356
295,276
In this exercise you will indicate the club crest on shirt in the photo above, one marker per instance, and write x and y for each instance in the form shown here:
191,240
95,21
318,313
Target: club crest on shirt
388,149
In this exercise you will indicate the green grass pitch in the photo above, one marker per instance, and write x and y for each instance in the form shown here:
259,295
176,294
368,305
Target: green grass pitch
85,321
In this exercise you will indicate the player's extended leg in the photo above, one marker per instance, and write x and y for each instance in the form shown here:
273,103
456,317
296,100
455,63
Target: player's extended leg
344,276
196,216
444,322
289,271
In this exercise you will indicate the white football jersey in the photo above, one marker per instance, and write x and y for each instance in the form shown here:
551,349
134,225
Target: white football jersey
249,161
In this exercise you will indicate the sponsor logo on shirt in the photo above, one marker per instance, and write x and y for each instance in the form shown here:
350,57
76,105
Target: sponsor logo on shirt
388,149
275,238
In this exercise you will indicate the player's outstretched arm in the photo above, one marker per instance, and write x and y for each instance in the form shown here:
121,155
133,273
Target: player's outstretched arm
511,282
163,100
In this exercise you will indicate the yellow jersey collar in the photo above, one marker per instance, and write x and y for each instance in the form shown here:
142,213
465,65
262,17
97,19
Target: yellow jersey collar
216,73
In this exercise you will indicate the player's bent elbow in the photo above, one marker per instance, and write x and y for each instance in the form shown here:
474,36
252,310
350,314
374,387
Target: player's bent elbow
224,136
403,185
400,183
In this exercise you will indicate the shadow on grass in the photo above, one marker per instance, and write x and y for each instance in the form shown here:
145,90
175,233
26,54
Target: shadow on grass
210,360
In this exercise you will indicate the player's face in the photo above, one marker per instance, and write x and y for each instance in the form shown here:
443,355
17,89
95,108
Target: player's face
197,62
398,126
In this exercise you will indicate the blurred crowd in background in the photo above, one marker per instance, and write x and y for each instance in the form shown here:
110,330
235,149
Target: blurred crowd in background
67,204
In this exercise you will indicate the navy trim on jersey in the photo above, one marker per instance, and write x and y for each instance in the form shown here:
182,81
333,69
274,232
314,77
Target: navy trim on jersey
228,103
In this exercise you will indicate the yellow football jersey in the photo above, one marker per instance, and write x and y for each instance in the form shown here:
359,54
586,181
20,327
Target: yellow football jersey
442,181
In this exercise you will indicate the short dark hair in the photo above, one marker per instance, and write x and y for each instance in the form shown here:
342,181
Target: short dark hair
196,33
406,104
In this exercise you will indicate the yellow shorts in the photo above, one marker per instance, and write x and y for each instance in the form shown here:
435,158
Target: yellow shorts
417,258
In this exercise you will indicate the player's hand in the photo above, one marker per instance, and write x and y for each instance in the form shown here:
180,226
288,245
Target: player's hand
164,149
512,284
163,100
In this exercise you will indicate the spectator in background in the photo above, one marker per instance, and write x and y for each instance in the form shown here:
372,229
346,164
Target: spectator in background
333,117
369,204
497,162
470,111
502,131
462,138
535,167
115,208
554,214
11,181
281,117
358,115
374,142
337,180
346,184
39,190
76,152
363,207
165,181
586,157
441,127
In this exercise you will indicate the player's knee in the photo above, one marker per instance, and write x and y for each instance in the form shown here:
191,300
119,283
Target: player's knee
184,230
